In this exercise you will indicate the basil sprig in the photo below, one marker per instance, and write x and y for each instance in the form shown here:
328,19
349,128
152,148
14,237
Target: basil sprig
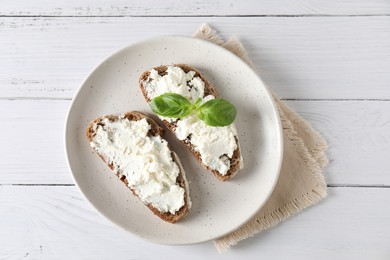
171,105
215,112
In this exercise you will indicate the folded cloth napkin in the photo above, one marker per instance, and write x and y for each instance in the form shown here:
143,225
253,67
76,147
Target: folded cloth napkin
301,183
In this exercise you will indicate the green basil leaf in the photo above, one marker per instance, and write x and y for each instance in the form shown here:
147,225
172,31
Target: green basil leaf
171,105
197,102
217,112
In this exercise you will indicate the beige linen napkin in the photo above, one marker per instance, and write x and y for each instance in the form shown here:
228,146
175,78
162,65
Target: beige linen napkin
301,183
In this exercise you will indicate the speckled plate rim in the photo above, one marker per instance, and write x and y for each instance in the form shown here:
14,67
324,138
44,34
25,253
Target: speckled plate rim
228,54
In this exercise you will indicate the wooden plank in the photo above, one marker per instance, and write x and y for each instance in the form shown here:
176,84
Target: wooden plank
300,57
358,137
357,131
57,223
32,149
199,7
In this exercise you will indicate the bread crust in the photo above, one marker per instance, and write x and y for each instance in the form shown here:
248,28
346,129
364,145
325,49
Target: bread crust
155,130
235,161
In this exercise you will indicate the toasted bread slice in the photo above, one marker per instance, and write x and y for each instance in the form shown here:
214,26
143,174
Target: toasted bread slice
126,173
235,160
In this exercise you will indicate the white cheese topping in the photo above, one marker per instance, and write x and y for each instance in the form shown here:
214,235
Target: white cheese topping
176,81
146,161
215,144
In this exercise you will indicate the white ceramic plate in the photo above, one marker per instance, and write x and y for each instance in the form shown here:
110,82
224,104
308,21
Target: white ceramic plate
218,207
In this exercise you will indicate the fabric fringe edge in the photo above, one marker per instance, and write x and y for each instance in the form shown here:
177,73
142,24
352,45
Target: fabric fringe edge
236,47
272,219
290,133
318,152
205,32
258,224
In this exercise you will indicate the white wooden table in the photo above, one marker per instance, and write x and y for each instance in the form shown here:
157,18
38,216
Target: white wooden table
329,59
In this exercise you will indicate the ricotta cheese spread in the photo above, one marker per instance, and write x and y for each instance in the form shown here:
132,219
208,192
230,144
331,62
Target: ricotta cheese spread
215,144
145,161
175,81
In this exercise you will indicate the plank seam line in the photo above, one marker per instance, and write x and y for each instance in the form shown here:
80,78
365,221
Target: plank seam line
41,184
183,16
335,99
34,98
357,186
